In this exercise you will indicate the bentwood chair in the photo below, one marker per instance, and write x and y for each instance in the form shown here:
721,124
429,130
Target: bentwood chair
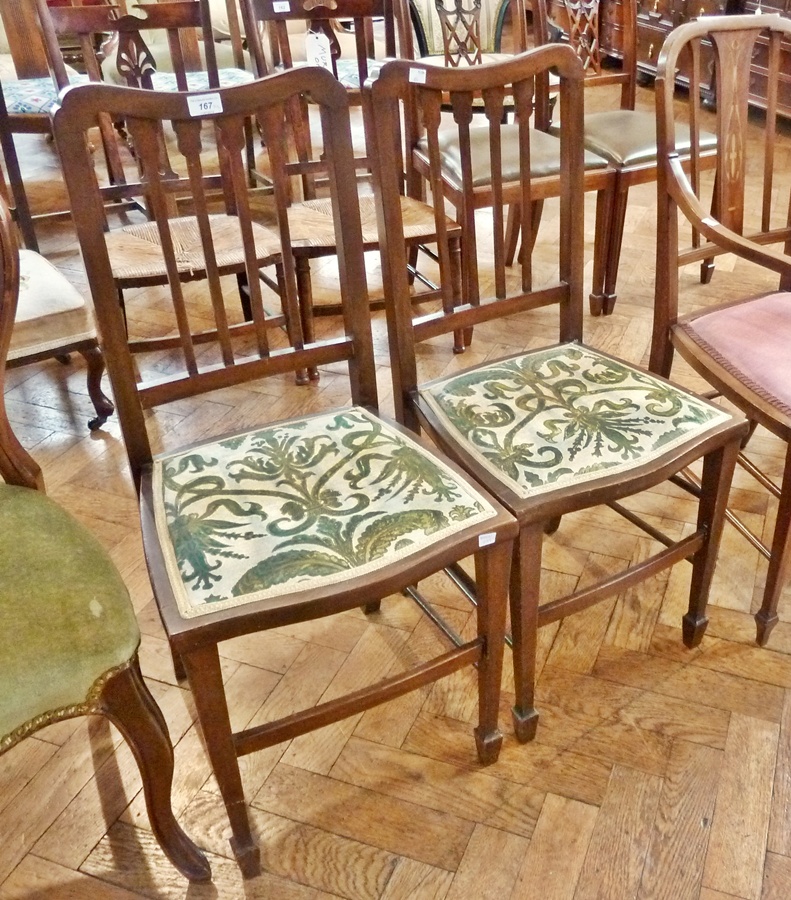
557,429
624,136
739,345
283,521
69,638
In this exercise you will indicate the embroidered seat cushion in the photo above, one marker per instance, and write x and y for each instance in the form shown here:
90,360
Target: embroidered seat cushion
199,81
50,309
299,505
35,95
135,251
544,420
67,619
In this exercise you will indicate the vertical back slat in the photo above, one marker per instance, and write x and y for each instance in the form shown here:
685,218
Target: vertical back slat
770,131
523,104
494,104
146,138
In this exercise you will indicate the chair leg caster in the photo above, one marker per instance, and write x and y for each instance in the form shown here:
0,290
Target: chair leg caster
525,724
764,622
609,304
488,744
693,628
96,424
706,271
248,858
372,607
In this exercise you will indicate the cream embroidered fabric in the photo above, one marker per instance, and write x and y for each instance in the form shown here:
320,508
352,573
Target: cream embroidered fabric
566,414
301,504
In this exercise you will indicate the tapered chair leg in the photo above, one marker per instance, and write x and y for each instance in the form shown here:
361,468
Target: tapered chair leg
524,599
717,476
127,702
491,570
205,678
779,561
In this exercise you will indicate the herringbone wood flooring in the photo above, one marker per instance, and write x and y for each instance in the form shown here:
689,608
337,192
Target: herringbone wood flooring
656,772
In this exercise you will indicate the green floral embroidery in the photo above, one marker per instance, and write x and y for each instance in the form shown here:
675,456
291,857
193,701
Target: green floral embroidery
299,504
568,413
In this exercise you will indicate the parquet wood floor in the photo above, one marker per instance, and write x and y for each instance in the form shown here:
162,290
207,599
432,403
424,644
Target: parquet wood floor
657,772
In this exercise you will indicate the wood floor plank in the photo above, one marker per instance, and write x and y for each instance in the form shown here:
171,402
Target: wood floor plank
38,878
674,862
777,878
557,850
737,846
780,822
614,862
471,794
366,815
475,877
411,880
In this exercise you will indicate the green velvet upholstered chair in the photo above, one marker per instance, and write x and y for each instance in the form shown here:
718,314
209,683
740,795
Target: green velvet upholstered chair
69,637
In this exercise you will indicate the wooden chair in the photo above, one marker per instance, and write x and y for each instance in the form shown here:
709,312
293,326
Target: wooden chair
69,638
552,430
52,317
313,230
284,521
450,34
739,346
625,137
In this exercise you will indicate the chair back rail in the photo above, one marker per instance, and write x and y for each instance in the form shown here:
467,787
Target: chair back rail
743,207
213,350
423,90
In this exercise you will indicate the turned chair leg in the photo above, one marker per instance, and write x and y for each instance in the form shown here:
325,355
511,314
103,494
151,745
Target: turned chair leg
128,704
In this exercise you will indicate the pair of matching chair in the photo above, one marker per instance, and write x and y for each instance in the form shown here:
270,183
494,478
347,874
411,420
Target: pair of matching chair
740,346
295,519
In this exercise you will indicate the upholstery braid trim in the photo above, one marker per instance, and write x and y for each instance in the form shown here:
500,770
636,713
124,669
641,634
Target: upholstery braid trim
90,706
728,366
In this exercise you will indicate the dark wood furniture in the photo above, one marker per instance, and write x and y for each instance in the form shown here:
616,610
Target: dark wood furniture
624,136
553,430
312,226
69,639
741,347
290,520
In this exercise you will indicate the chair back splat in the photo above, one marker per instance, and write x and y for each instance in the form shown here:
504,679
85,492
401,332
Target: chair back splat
283,521
548,431
740,345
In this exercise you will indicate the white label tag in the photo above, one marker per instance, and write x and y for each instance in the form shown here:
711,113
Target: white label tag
204,104
281,6
485,539
317,50
417,76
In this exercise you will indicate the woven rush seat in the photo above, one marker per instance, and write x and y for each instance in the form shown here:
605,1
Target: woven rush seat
312,227
298,505
135,251
70,607
536,422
